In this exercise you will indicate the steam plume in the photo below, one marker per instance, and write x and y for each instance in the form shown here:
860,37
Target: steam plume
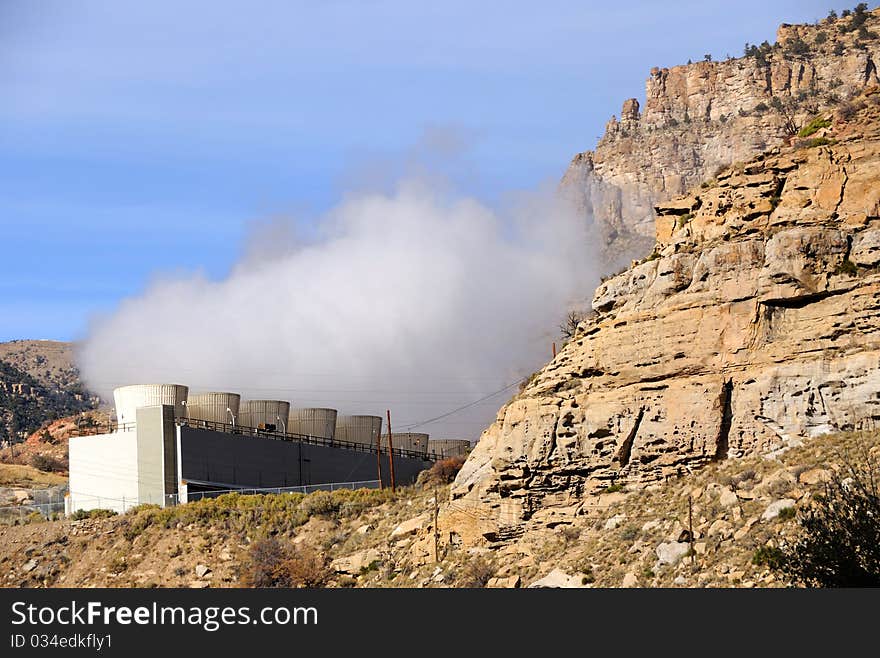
411,301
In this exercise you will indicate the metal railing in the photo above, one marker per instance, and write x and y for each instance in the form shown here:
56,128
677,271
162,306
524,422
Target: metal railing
109,428
241,430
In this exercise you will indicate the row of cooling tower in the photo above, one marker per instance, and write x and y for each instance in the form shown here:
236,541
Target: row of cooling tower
228,408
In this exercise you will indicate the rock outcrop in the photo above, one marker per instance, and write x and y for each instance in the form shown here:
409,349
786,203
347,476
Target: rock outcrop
699,118
753,325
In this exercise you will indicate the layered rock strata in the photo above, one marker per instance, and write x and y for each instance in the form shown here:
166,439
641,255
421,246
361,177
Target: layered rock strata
754,324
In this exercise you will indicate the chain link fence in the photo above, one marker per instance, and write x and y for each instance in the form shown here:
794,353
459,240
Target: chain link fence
22,502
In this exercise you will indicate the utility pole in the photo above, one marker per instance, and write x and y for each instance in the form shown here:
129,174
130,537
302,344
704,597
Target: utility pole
691,528
390,450
436,527
379,457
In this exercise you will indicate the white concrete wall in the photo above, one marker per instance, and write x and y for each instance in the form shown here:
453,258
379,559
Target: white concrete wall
104,472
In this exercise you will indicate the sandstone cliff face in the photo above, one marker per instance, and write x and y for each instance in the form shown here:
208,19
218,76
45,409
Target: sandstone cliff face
704,116
754,324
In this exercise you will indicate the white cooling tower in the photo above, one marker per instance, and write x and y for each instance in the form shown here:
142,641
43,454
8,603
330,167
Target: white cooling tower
358,429
256,413
313,422
129,399
213,407
449,447
412,441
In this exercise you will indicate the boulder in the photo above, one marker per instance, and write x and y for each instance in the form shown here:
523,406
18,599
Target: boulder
630,580
671,552
558,579
728,498
356,562
614,521
815,476
773,509
410,526
507,582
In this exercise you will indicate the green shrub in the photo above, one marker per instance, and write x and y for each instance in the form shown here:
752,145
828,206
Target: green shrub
683,219
613,488
768,556
787,513
46,463
839,541
814,126
81,514
813,143
320,503
847,267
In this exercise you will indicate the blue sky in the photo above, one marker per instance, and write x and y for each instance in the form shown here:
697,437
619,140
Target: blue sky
140,139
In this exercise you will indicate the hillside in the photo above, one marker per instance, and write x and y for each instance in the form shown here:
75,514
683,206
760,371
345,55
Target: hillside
375,539
27,404
705,116
51,363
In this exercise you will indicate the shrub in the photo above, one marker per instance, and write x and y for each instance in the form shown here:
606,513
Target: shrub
81,514
629,534
839,542
683,219
46,463
271,563
813,143
761,107
814,126
320,503
787,513
442,472
476,573
613,488
847,267
768,556
798,47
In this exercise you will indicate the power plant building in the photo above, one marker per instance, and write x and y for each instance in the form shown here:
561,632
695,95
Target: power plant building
168,449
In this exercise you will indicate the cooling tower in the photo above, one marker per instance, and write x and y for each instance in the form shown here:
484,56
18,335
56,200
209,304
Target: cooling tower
449,447
253,413
358,429
313,422
412,441
213,407
129,399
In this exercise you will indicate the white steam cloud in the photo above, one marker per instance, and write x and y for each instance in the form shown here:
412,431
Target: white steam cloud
410,301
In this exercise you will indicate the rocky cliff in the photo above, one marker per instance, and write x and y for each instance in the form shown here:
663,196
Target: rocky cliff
753,325
701,117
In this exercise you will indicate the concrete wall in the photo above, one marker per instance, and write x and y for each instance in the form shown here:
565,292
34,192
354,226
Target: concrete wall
104,471
260,462
157,453
118,471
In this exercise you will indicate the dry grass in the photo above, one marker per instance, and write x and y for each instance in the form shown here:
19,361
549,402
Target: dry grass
18,475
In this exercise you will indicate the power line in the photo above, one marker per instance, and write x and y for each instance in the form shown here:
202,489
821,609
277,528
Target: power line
466,406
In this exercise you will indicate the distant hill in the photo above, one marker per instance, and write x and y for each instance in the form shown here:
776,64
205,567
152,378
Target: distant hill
50,362
39,383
